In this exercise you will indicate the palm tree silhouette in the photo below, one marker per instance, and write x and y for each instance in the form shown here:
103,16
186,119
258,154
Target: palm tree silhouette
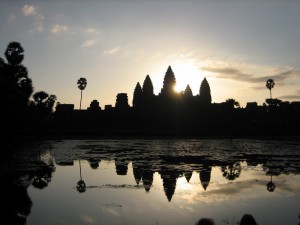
270,84
81,85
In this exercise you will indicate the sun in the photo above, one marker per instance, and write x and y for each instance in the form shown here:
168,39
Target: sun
187,73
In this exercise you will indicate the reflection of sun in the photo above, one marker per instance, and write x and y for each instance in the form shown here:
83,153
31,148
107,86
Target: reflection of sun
187,73
183,185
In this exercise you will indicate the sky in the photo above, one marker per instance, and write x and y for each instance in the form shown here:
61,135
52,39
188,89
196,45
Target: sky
236,45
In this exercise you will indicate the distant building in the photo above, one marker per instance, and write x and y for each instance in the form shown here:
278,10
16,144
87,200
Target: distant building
64,108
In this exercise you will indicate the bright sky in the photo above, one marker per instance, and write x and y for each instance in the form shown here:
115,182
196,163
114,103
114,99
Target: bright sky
236,44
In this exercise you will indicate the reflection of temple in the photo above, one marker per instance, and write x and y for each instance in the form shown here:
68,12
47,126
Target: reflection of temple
171,165
205,176
169,178
121,166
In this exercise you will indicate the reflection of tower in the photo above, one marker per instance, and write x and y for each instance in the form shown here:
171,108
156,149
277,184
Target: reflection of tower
205,176
121,166
169,182
81,187
94,164
136,173
271,186
188,175
147,178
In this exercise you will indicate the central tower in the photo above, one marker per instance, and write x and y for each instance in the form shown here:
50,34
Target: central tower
169,83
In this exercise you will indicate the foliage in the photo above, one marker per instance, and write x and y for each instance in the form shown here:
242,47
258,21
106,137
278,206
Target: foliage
14,53
270,84
15,74
232,103
82,82
43,104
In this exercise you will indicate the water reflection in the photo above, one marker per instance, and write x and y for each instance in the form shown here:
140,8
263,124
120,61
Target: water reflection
20,169
174,168
81,187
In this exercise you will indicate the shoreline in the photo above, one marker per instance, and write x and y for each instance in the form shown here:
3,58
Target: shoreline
53,134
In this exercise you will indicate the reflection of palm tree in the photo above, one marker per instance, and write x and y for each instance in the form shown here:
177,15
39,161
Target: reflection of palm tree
232,171
271,186
81,187
81,85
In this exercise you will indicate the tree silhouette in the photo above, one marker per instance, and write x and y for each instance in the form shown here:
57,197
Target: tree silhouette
270,84
81,85
204,92
15,72
232,171
232,103
43,103
14,53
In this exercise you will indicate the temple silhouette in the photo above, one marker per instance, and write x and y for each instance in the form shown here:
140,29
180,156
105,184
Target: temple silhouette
177,113
169,113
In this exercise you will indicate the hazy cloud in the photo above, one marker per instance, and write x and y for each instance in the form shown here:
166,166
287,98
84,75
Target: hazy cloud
39,25
88,43
112,50
87,219
91,30
295,96
58,28
236,74
29,10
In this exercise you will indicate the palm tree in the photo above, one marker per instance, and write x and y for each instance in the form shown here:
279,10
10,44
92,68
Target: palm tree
81,85
232,103
270,84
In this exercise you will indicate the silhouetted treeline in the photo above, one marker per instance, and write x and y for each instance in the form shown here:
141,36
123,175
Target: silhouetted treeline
18,112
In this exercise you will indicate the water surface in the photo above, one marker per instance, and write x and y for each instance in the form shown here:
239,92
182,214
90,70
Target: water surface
161,181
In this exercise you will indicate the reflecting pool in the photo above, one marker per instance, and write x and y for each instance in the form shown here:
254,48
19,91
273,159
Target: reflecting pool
152,182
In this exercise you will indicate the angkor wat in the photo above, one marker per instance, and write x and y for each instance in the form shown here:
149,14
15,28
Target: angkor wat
183,113
168,113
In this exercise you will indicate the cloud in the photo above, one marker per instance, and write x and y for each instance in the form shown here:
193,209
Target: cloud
87,219
58,28
112,50
91,30
38,24
29,10
295,96
237,75
88,43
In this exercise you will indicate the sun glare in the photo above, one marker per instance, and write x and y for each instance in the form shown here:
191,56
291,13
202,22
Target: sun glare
187,73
